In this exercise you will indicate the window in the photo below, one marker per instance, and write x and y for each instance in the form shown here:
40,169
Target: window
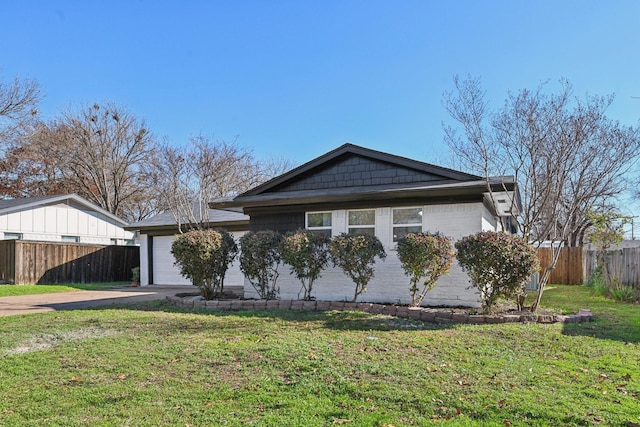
13,236
71,239
362,222
114,241
319,221
405,221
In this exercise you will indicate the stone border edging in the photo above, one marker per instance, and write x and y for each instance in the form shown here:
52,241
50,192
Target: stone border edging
430,315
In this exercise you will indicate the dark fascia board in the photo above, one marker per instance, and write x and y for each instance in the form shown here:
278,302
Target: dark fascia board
365,152
47,200
356,194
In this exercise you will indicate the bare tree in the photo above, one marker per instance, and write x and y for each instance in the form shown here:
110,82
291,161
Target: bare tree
188,178
27,171
18,105
18,113
98,152
566,155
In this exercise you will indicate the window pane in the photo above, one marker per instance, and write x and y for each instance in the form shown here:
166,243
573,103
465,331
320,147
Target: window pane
13,236
319,219
326,232
400,232
362,217
407,216
362,231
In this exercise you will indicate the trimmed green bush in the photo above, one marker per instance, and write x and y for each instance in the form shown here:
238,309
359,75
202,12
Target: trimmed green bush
424,257
203,257
355,255
307,252
498,264
259,261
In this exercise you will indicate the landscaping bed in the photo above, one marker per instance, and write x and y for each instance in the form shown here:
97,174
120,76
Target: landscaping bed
431,315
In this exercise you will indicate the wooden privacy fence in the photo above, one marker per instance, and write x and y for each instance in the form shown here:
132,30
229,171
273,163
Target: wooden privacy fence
569,269
622,264
23,261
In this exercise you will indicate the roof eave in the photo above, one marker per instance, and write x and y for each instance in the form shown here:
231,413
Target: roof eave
374,194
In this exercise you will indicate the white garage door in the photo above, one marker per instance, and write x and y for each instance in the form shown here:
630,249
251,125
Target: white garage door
165,273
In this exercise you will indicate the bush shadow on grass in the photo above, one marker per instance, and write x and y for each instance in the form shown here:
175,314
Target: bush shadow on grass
616,329
334,319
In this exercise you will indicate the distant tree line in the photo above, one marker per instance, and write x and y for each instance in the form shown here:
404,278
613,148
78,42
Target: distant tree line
106,154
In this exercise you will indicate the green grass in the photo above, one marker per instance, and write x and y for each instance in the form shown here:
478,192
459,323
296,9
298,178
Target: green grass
157,365
15,290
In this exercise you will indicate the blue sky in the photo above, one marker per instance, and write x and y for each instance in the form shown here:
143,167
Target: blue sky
298,78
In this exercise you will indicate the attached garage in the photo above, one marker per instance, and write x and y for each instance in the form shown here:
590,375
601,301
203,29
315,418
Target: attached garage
158,233
164,271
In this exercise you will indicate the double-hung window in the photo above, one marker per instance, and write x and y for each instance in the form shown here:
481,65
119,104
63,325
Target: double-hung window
405,221
362,222
320,222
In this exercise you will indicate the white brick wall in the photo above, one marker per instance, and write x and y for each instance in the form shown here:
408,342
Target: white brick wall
390,283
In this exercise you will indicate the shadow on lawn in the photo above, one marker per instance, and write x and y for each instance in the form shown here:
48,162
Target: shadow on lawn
613,320
607,328
338,320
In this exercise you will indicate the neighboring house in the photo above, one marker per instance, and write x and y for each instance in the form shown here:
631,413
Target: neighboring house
350,190
61,218
158,233
357,190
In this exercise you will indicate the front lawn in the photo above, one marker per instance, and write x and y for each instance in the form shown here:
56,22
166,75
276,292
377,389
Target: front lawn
155,364
15,290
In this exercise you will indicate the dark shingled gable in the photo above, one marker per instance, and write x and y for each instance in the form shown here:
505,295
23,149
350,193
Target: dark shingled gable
351,170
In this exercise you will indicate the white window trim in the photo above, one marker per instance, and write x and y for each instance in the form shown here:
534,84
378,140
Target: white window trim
413,224
365,226
324,227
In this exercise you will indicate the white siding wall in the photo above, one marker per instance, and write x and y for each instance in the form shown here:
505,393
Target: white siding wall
164,270
49,223
390,283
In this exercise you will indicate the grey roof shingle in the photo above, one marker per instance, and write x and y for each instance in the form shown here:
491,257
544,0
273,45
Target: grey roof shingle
167,219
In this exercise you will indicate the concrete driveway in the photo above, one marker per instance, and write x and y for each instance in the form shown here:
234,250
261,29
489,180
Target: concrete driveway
43,303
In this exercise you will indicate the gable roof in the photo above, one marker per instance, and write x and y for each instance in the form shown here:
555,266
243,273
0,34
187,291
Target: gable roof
353,174
13,205
351,149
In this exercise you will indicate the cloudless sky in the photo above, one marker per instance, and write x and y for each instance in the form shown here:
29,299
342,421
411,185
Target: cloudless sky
299,78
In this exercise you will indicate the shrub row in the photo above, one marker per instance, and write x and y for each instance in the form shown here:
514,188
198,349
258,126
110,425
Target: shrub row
498,264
